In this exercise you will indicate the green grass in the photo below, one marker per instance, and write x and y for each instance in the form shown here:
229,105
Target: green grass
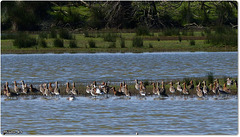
166,43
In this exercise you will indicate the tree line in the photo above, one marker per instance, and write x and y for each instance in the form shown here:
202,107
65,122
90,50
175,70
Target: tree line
37,16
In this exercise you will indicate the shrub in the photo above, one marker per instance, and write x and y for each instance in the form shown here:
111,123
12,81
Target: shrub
42,43
207,30
23,40
137,42
43,35
142,30
112,45
122,43
73,44
53,33
58,43
150,45
92,44
98,34
64,34
223,36
192,42
110,37
85,33
180,38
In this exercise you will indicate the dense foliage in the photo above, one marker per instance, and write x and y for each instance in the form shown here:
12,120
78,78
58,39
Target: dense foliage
23,15
23,40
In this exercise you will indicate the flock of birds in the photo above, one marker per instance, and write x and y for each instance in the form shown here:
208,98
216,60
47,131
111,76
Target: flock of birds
47,89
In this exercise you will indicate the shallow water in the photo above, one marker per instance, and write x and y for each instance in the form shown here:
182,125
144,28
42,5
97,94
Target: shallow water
150,116
84,68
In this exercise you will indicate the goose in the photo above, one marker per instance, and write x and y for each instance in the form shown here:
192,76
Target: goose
23,85
199,90
157,88
94,84
117,93
41,89
137,86
172,88
89,89
142,91
46,91
26,89
32,89
72,97
155,91
225,89
179,88
50,88
126,91
4,90
8,92
214,89
101,87
106,88
191,86
56,89
219,87
210,87
98,91
74,90
68,90
205,88
141,85
163,90
122,87
229,82
185,90
16,89
93,92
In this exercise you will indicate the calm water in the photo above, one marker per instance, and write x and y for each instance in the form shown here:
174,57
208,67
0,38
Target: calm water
38,68
174,115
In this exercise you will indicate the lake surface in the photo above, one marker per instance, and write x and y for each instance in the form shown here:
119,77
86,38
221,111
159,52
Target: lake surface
85,115
172,116
115,67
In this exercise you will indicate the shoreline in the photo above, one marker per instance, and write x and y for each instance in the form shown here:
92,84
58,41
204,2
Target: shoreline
113,50
145,52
